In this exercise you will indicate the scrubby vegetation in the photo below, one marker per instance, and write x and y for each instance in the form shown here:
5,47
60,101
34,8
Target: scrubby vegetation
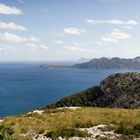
118,90
122,90
88,97
6,133
65,121
66,133
129,130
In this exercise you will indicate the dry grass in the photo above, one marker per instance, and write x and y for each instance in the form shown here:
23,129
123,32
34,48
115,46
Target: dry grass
55,119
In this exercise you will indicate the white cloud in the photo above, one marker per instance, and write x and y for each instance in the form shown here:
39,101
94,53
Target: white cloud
35,47
5,47
7,10
34,39
75,43
127,27
32,42
74,31
131,22
75,48
11,37
99,43
11,26
44,46
113,21
115,36
109,39
15,38
59,42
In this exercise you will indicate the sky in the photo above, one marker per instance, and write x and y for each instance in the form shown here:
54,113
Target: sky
60,30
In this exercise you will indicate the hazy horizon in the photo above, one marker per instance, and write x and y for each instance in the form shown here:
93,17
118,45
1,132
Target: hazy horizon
67,61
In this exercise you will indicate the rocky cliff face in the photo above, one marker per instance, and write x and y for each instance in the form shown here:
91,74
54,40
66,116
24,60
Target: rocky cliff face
118,91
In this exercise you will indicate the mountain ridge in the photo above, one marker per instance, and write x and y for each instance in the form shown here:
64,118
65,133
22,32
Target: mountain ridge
110,63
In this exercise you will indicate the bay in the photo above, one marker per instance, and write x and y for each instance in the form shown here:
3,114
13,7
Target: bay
24,87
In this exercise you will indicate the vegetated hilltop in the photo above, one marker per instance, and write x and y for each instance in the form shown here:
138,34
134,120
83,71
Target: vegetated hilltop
113,63
118,91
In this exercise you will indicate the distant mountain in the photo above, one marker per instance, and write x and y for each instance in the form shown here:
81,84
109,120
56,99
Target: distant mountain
82,60
137,59
116,91
113,63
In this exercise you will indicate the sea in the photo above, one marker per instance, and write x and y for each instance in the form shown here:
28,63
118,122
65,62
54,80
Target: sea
27,86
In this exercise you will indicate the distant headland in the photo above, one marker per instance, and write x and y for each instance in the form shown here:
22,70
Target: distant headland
102,63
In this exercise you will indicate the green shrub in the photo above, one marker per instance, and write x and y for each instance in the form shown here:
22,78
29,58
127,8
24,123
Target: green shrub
24,130
69,132
6,133
83,125
127,130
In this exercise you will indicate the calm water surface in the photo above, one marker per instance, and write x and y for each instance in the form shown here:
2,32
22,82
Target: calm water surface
27,86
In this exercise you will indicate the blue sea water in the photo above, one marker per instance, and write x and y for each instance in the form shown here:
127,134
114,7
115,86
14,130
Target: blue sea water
26,86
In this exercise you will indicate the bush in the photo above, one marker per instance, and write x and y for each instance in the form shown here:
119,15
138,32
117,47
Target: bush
83,125
69,132
6,133
127,130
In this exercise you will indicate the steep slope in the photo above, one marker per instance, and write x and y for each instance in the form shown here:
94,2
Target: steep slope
88,97
118,90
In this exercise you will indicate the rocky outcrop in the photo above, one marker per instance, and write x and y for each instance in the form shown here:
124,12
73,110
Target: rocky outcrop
95,133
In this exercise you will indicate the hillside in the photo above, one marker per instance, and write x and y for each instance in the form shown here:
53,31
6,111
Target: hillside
118,90
73,123
113,63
